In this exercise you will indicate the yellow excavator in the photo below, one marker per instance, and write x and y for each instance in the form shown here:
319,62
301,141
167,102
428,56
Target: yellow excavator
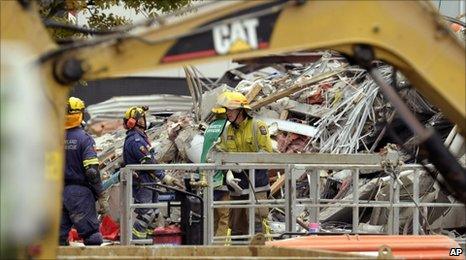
37,75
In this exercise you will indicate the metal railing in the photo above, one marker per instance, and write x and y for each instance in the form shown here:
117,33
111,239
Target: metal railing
294,165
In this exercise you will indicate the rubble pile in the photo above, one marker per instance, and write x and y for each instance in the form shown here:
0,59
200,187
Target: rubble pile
326,106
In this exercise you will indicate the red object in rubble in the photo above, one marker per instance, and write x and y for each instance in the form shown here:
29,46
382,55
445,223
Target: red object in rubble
316,99
109,228
168,235
325,86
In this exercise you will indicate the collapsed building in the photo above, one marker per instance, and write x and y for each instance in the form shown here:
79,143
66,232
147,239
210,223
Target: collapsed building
312,103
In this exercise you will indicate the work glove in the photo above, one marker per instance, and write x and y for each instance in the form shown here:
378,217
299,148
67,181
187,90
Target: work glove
171,181
103,205
233,182
237,170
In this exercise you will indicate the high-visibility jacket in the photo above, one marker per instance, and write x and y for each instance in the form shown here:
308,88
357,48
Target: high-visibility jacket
251,135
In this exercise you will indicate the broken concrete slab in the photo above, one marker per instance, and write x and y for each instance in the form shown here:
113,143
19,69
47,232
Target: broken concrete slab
344,214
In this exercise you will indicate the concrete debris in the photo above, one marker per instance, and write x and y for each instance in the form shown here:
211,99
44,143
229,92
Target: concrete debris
102,127
342,175
268,113
452,218
165,150
379,215
291,142
327,106
343,214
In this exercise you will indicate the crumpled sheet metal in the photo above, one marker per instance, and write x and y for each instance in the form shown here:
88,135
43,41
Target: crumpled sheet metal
115,107
341,129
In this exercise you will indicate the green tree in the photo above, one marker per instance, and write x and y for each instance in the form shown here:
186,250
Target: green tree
57,10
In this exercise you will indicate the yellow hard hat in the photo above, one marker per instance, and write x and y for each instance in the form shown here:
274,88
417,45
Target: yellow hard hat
75,108
133,114
75,105
230,100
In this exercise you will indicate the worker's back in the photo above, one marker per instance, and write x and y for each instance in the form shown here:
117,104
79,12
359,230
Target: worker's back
79,148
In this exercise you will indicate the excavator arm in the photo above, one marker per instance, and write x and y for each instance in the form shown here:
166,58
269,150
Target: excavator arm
407,34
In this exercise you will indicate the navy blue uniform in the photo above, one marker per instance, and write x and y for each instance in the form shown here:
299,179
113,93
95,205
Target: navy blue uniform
136,150
79,209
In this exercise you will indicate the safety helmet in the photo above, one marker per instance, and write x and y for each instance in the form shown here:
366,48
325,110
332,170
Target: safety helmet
75,105
230,100
132,116
75,109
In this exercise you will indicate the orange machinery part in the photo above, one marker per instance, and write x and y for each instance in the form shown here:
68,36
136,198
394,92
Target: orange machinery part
404,247
456,27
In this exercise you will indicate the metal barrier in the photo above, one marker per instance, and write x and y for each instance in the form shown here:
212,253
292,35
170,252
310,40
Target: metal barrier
293,165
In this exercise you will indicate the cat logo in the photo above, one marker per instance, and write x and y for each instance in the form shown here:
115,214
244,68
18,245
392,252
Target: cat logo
239,36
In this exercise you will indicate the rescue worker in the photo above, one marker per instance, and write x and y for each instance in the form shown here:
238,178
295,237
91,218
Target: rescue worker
83,185
243,133
221,192
137,150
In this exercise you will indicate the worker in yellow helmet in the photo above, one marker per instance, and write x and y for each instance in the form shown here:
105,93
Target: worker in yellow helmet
83,185
74,115
243,133
137,150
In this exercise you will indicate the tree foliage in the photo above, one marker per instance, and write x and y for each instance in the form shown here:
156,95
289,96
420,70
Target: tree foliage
98,12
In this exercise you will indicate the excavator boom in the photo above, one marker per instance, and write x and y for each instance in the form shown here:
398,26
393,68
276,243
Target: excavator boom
408,34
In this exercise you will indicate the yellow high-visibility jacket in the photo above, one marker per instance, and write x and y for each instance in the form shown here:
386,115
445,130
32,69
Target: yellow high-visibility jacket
251,135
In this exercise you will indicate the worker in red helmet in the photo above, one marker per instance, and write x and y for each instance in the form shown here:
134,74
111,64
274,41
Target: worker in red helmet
137,150
243,133
83,185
